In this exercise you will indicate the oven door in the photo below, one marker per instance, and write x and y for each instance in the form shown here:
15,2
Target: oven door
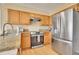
37,40
33,40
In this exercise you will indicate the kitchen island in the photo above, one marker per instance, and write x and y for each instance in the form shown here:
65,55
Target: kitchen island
9,42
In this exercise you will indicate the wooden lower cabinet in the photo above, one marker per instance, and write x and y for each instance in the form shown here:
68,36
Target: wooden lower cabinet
47,37
25,40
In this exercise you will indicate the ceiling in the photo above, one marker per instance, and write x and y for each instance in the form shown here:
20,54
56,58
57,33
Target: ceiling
46,8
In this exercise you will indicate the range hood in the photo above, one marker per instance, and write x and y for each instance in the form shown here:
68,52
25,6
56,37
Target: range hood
34,20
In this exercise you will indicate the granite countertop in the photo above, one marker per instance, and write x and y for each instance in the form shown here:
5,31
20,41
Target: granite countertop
9,42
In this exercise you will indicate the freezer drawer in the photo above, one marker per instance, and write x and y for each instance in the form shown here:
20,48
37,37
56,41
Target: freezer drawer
62,47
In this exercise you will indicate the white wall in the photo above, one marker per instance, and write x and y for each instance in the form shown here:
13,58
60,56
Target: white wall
0,19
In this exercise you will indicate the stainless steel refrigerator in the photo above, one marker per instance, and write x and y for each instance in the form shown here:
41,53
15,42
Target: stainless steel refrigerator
65,32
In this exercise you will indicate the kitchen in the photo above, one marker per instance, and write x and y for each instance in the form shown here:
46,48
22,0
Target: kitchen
23,29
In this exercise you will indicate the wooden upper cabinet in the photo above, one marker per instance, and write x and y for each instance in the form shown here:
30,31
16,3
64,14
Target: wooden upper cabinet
24,18
13,16
45,20
42,20
76,7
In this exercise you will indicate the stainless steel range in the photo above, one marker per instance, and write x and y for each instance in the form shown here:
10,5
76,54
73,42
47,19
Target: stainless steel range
37,39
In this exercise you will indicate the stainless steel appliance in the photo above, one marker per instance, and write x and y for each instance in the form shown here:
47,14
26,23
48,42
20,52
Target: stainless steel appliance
65,32
37,39
34,20
76,33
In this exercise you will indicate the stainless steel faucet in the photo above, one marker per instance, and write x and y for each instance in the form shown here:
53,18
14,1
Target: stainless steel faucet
4,27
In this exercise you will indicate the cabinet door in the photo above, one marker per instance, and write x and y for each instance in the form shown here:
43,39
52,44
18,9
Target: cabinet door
24,18
25,40
47,37
13,16
76,7
45,20
42,20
